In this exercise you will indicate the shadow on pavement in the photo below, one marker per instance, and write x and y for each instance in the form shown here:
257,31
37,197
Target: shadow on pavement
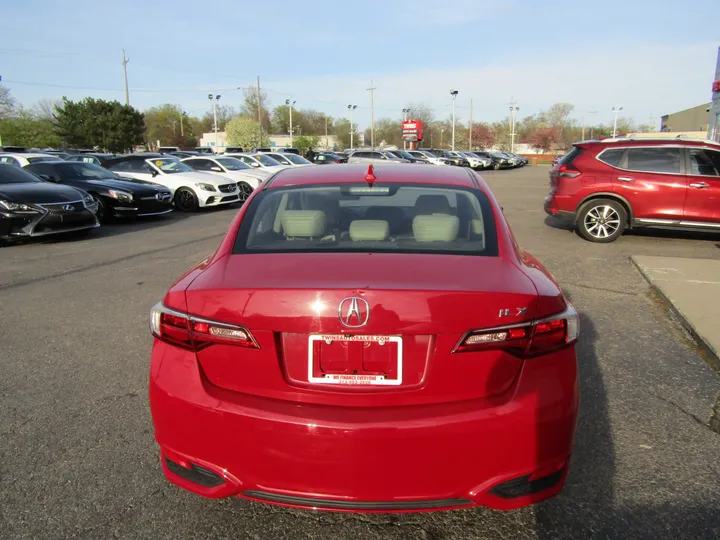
559,224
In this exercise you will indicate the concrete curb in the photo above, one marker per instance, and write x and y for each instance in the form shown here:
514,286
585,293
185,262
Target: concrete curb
684,319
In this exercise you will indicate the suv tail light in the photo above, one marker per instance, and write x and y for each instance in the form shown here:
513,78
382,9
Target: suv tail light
194,333
568,170
528,339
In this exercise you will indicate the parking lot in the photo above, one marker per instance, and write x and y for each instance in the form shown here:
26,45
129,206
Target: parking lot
79,459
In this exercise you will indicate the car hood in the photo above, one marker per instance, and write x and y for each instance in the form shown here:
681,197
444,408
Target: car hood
39,193
132,186
205,178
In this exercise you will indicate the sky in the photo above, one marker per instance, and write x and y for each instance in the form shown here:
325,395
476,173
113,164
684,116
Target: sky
651,57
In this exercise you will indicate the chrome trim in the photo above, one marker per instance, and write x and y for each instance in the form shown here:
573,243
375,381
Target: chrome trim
657,221
156,213
60,231
699,224
699,185
43,205
124,208
677,223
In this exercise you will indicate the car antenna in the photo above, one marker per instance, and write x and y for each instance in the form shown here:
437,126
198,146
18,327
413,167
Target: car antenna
370,176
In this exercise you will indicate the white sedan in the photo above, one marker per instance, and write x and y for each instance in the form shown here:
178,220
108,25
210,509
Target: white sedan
191,190
288,158
21,159
260,160
247,178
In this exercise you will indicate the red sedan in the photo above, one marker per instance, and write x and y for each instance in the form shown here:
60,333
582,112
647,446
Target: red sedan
367,340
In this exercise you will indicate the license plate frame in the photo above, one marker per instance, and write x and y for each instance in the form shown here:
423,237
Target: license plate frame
355,379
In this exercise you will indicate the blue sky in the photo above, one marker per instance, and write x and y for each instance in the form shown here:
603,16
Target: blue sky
649,56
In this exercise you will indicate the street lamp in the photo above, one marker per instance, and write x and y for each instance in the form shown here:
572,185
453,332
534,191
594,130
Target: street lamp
405,117
454,94
616,110
214,102
351,108
513,110
290,105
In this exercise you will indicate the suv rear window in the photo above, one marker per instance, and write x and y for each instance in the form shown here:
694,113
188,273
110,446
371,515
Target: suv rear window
656,160
393,218
571,155
612,156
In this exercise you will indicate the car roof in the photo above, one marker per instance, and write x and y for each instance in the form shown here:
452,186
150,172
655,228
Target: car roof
27,155
397,173
644,141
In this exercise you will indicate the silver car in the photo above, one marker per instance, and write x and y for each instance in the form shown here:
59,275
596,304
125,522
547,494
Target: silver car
375,156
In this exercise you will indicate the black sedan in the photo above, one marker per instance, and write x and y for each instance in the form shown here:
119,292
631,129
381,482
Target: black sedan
114,195
32,207
91,157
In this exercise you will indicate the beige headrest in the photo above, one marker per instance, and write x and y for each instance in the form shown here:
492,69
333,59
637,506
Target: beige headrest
303,223
477,226
436,228
369,229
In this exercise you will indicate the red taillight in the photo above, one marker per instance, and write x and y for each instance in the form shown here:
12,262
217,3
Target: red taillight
526,340
194,333
568,170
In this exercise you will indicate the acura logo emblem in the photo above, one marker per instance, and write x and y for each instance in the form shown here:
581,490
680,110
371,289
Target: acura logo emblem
68,208
354,312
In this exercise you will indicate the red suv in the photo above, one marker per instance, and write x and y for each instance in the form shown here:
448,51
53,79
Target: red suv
605,187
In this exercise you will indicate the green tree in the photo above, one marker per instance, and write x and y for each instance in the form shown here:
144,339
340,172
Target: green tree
26,130
7,103
342,132
305,142
244,131
96,123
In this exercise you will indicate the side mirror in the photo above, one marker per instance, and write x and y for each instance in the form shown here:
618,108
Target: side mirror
48,177
256,165
154,173
215,168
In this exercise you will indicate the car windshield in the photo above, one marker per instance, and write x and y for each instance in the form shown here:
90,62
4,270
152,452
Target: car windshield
83,171
40,159
266,160
427,154
391,155
10,174
403,154
170,166
279,159
297,160
397,218
233,164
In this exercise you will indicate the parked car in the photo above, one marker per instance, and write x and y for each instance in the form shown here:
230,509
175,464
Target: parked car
407,156
430,157
114,196
289,158
96,158
205,149
234,149
31,207
476,162
375,156
260,160
447,154
606,187
168,149
520,160
290,338
327,158
57,153
182,154
22,159
247,178
557,159
494,159
191,190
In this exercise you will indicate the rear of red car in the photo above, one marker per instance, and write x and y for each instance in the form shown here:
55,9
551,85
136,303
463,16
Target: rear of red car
381,348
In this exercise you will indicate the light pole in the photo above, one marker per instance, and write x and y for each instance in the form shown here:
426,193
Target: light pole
290,105
182,130
513,110
454,94
616,110
214,102
351,108
405,117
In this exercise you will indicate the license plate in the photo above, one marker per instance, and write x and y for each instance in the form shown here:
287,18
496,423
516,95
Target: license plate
357,379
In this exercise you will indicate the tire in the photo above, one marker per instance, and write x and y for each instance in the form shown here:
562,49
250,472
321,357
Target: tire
496,166
101,213
245,191
186,200
602,221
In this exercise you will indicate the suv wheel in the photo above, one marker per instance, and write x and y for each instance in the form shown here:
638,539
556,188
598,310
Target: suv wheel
601,220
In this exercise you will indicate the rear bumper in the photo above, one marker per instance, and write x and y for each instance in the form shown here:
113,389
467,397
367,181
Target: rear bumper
553,207
393,459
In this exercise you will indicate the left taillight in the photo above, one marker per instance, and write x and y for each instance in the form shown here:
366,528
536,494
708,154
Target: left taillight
196,333
528,339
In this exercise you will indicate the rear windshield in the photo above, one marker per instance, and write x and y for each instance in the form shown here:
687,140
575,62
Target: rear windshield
393,218
571,155
41,159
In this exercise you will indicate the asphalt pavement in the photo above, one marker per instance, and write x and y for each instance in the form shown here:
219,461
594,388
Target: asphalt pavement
78,459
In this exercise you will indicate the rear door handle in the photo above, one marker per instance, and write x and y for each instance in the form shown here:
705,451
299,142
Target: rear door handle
700,185
625,179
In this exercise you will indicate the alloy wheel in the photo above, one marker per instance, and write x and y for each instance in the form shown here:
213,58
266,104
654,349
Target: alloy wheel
245,191
602,222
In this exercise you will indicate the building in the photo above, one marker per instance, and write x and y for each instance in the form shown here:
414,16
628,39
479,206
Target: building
693,119
208,139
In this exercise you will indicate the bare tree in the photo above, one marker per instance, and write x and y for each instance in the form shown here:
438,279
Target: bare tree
421,111
45,109
7,103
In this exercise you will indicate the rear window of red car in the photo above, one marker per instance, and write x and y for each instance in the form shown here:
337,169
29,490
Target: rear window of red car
392,218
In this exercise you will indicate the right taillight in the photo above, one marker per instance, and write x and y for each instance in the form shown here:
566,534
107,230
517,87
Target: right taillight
528,339
568,170
195,333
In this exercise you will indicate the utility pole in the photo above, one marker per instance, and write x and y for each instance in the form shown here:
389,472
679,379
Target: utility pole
372,113
215,127
470,147
182,130
127,92
259,112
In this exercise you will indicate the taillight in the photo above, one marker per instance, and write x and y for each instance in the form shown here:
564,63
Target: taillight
195,333
568,170
528,339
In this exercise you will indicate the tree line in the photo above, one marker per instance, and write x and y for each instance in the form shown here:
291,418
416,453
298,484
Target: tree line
112,126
